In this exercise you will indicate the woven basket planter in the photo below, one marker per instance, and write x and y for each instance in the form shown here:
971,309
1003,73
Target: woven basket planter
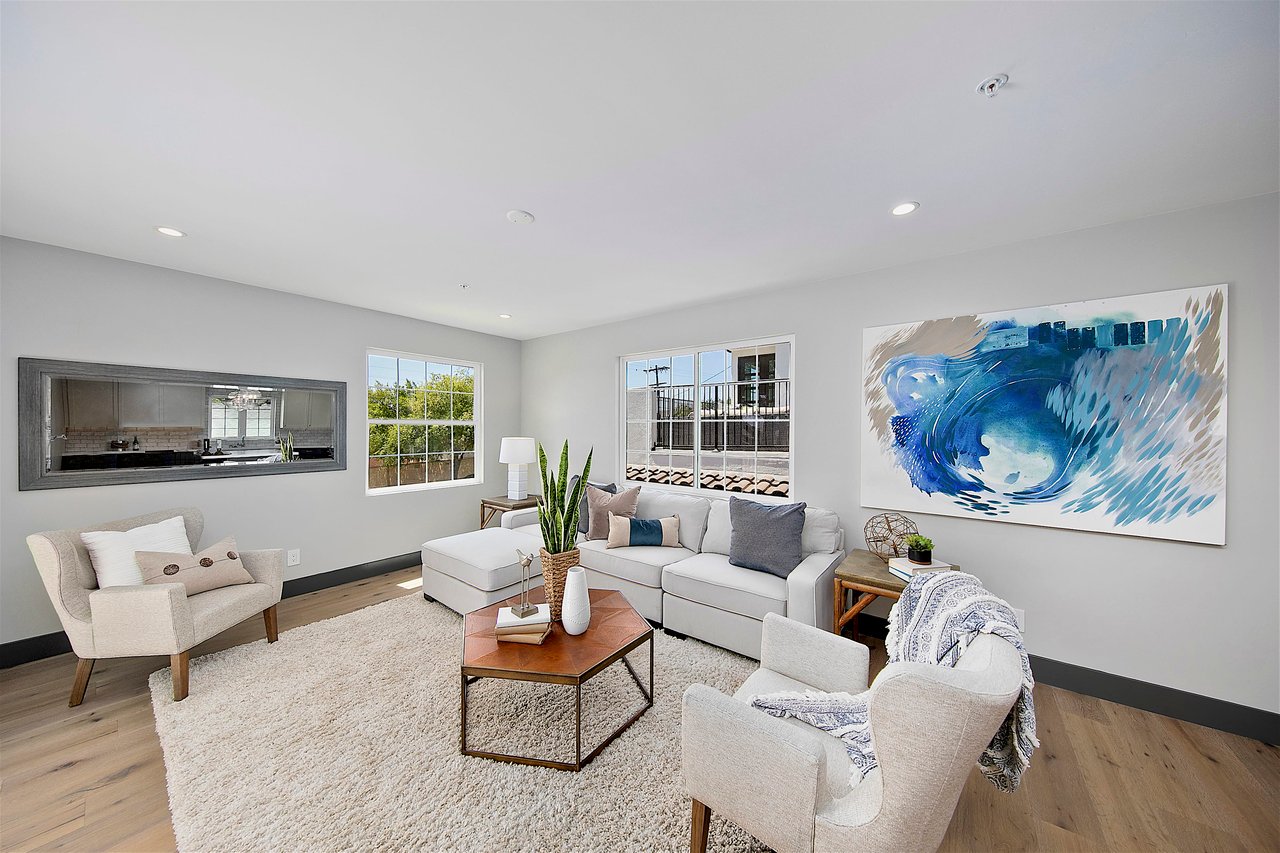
555,568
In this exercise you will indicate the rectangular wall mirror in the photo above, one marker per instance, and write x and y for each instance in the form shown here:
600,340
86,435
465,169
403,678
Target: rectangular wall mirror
87,424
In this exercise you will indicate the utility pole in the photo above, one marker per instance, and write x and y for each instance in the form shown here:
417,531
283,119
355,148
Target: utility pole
656,370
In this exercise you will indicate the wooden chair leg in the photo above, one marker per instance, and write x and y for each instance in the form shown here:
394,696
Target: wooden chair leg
84,668
699,827
180,665
269,619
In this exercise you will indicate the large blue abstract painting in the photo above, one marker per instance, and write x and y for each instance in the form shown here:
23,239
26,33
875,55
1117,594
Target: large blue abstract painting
1108,415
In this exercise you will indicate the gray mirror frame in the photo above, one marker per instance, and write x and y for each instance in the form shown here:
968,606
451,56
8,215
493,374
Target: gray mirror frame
31,474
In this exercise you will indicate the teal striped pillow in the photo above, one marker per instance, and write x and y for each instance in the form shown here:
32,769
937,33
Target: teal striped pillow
627,532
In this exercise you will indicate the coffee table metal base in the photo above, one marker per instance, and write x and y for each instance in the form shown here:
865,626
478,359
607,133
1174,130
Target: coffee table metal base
471,675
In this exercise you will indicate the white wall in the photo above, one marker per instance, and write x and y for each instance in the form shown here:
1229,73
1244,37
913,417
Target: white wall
56,303
1197,618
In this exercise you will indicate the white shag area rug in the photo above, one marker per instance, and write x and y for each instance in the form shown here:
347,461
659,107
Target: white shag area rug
344,736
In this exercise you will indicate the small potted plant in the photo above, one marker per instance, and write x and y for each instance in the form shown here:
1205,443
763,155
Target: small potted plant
558,518
919,549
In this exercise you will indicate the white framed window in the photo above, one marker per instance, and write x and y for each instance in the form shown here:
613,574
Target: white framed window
712,419
424,422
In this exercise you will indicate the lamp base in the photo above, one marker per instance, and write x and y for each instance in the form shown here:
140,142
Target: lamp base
517,482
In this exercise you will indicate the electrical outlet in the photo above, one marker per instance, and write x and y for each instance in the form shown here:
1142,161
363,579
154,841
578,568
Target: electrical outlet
295,557
1021,616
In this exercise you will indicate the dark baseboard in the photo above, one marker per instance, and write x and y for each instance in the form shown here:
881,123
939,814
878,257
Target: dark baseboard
337,577
1190,707
47,645
1171,702
33,648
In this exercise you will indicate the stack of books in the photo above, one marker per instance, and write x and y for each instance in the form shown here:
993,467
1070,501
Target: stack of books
901,567
529,629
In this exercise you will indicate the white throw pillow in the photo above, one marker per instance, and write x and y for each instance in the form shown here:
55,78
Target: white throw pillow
821,531
719,529
112,551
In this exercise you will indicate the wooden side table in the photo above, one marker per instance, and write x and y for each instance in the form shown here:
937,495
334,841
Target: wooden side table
864,573
490,507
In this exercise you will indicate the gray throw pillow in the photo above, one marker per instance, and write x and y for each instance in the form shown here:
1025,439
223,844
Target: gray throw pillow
584,515
766,537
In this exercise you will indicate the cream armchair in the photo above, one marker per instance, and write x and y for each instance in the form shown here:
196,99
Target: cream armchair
788,783
156,619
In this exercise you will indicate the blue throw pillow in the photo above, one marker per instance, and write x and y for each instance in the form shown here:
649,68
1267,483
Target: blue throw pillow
765,537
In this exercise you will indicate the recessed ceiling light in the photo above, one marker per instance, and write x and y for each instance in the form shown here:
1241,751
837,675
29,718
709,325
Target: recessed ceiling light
504,316
520,217
905,208
170,232
992,85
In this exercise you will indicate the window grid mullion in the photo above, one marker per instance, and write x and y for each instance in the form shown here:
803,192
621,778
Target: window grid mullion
697,420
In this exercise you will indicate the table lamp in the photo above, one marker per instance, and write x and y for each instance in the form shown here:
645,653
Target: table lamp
518,453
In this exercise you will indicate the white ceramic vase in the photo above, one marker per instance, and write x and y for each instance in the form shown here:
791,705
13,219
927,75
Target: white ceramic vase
575,614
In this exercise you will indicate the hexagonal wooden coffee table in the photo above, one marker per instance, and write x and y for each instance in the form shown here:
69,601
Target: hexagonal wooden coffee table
616,630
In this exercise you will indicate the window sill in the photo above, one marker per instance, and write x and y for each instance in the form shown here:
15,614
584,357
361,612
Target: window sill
710,494
423,487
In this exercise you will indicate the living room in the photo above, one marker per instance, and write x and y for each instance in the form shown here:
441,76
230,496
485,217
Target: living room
309,277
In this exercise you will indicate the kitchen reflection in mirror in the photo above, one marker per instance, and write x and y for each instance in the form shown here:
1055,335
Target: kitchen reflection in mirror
101,424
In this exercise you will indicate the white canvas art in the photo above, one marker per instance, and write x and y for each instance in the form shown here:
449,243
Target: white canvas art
1107,415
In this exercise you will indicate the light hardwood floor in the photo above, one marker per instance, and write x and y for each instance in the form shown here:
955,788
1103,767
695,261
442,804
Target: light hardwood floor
1106,778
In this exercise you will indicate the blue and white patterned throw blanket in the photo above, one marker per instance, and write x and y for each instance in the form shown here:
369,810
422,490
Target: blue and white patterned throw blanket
937,617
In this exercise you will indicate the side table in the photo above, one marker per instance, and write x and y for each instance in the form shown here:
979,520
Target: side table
864,573
490,507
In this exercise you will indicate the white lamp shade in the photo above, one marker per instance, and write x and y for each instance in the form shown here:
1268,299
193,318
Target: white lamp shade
518,451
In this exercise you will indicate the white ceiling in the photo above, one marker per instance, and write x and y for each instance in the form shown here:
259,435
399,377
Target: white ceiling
672,152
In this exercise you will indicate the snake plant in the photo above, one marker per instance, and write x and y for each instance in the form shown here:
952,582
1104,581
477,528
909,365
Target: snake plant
558,507
286,448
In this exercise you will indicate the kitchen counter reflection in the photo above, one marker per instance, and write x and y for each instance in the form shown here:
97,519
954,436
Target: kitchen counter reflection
180,458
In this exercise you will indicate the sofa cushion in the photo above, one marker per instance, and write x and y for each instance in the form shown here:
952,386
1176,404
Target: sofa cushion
640,564
719,529
821,534
692,511
710,579
766,538
600,504
217,610
485,559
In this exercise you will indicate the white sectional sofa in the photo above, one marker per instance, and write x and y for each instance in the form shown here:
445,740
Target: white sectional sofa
693,590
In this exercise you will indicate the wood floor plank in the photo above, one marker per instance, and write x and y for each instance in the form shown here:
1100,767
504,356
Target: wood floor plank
1106,777
1054,786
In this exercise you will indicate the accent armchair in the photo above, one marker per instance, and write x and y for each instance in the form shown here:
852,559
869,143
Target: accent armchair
155,619
788,784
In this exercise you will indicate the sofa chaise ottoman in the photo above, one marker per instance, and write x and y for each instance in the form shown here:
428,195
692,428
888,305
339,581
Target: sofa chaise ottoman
475,569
